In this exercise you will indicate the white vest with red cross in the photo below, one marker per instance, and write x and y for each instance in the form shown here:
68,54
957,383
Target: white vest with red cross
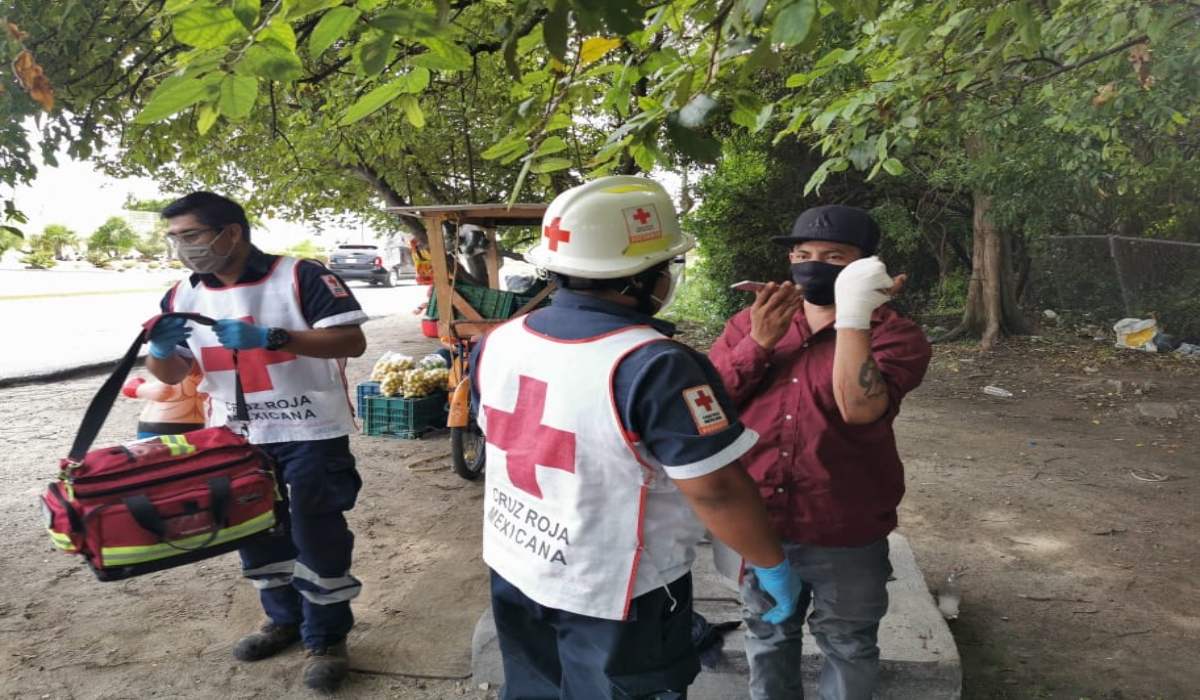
290,397
576,514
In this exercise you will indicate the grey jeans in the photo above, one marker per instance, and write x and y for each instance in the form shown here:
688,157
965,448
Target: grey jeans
847,590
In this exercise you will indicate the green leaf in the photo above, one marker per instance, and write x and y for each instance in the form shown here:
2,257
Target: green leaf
172,96
278,32
206,117
762,57
414,82
414,24
510,58
411,105
295,9
550,165
509,146
247,12
450,56
746,107
691,143
238,95
553,144
372,101
208,27
556,29
332,26
520,181
818,177
793,22
371,54
273,62
620,16
893,166
755,9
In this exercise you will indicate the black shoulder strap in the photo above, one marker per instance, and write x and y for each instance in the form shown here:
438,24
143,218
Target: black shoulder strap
102,402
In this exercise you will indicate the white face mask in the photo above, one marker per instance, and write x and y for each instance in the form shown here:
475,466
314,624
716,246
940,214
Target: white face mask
200,257
673,271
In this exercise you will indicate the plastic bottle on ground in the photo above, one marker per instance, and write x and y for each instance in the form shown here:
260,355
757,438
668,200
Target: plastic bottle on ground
949,595
997,392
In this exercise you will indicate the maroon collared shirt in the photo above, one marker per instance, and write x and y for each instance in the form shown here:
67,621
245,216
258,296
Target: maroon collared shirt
824,482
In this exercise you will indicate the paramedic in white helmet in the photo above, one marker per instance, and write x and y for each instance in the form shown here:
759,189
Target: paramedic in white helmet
610,449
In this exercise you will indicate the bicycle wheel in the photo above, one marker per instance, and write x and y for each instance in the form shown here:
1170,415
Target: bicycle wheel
466,449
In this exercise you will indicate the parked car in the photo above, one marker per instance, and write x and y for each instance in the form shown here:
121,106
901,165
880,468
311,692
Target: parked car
374,263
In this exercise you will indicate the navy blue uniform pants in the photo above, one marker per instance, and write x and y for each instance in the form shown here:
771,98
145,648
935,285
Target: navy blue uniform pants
303,574
550,654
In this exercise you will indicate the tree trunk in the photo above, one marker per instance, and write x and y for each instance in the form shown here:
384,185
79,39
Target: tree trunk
991,312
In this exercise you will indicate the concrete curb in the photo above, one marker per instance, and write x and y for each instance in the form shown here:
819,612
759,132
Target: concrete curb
54,375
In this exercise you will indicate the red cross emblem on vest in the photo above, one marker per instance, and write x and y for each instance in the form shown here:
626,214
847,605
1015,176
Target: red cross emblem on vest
555,234
251,366
528,443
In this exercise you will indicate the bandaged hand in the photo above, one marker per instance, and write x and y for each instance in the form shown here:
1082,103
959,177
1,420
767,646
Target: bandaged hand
858,291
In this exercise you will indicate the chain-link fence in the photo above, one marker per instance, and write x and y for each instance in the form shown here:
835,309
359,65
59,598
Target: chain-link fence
1102,279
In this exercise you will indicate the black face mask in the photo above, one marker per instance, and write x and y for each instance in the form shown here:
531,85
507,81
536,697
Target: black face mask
816,278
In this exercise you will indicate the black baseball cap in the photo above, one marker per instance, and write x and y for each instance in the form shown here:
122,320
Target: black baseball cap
837,223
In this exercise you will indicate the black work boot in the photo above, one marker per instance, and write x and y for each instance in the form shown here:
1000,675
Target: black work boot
326,667
269,640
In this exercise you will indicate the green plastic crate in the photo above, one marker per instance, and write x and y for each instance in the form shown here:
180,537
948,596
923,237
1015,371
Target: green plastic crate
401,418
365,389
490,303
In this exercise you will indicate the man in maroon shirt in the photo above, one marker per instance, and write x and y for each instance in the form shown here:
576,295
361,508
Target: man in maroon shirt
818,366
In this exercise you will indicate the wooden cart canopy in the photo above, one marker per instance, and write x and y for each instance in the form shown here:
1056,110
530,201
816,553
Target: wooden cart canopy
484,215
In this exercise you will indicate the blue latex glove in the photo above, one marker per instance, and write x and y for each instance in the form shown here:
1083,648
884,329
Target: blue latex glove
166,335
239,335
781,583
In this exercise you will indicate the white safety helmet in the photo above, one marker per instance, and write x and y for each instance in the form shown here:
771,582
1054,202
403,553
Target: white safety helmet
609,228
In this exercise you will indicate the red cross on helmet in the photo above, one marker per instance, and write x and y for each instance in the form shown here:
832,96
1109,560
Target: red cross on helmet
610,227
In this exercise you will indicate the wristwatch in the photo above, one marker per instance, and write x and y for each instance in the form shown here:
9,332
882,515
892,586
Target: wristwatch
277,338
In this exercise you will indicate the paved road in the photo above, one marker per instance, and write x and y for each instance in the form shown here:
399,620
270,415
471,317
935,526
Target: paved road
56,321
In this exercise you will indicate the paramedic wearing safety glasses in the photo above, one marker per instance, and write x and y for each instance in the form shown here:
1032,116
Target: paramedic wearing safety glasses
293,323
610,449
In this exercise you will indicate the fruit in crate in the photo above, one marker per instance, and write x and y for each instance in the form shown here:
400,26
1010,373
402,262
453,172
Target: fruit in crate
432,361
390,383
416,383
391,362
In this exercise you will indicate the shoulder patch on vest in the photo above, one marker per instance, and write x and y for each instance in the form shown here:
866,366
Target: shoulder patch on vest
705,410
335,286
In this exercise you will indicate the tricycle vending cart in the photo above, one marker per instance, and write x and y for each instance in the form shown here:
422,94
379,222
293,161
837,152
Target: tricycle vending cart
472,309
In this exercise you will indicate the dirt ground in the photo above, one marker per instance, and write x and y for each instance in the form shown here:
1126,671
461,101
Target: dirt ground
1072,513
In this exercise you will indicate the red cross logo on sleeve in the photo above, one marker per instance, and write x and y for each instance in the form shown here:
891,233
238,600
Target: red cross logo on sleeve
526,441
703,400
555,234
252,364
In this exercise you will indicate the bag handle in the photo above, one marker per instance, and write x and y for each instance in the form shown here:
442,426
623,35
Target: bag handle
102,402
220,490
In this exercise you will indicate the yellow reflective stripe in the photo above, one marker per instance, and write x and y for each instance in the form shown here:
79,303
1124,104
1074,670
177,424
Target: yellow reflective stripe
122,556
653,245
178,443
61,541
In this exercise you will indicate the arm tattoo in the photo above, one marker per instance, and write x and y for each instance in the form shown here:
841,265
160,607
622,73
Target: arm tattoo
870,379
